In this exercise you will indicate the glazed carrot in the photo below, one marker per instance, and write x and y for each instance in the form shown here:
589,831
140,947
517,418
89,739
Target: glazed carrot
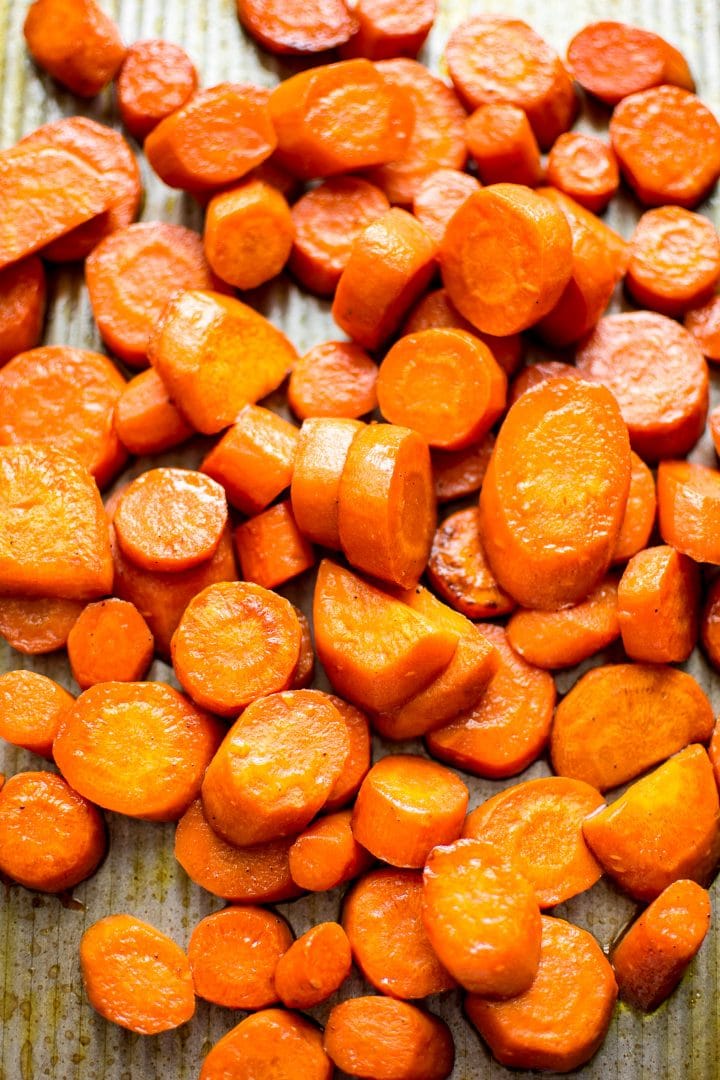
359,758
390,264
386,504
437,196
136,976
271,549
110,642
272,1040
233,955
322,450
558,639
714,752
336,378
603,236
651,957
22,307
541,371
326,854
256,875
75,42
216,137
585,168
254,458
145,419
531,1031
388,1040
51,838
538,825
668,146
248,234
314,967
536,244
61,547
64,397
457,473
639,512
305,668
482,918
545,548
155,79
612,60
675,260
35,625
132,275
154,775
376,650
659,606
689,509
387,30
664,827
194,351
503,146
382,916
276,767
495,58
31,706
704,325
710,626
649,712
474,387
714,428
508,728
288,26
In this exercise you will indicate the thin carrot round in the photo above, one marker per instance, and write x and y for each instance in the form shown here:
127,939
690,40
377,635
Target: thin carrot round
22,307
457,473
110,642
146,420
36,625
31,707
156,78
270,1041
585,168
314,967
326,854
336,378
438,196
674,261
233,956
291,27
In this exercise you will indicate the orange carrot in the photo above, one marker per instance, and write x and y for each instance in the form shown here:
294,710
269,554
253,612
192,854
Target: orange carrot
438,196
110,642
585,168
336,378
290,26
31,707
146,420
601,233
155,79
326,854
270,548
704,325
689,509
248,234
675,260
503,146
639,512
659,606
272,1039
710,626
541,371
359,758
322,451
35,625
386,30
314,967
76,43
457,473
22,307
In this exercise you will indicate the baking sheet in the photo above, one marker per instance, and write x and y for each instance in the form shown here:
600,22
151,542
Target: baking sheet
47,1029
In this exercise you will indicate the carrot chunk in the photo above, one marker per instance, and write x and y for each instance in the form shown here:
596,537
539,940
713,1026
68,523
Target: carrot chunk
458,569
233,956
437,197
502,145
675,260
146,420
35,625
110,642
76,43
322,451
248,234
689,509
155,79
336,378
457,473
585,168
659,606
22,307
387,29
31,706
640,511
704,325
273,1039
326,854
314,967
271,549
297,26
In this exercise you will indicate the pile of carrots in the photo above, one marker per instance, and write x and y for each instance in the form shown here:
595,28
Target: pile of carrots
426,211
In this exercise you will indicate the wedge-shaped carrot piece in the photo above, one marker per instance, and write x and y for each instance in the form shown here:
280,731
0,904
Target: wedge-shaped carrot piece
531,1031
458,568
612,60
53,531
31,706
22,307
35,625
155,79
110,642
314,967
276,767
458,473
76,43
675,260
709,626
140,749
336,378
216,355
585,168
558,639
651,957
538,824
689,509
136,976
387,30
659,606
146,420
640,511
299,27
502,144
267,1041
649,712
508,728
322,450
376,650
326,854
271,549
437,197
482,918
233,955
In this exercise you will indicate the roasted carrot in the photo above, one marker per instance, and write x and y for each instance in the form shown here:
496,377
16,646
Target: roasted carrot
326,854
292,26
710,626
248,234
51,838
155,79
639,512
585,168
146,420
457,473
75,42
314,967
35,625
270,1040
674,261
704,325
616,246
271,549
437,196
386,30
22,307
503,146
322,450
714,428
541,371
110,642
659,606
305,668
336,378
689,509
31,706
359,758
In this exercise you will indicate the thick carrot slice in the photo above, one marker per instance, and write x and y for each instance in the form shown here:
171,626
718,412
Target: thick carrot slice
382,916
155,79
508,728
389,1040
482,918
648,714
359,757
291,26
675,260
506,258
271,1040
664,827
535,374
110,642
132,275
257,875
689,509
559,639
276,767
457,473
53,531
386,504
326,854
616,246
502,145
376,650
64,397
194,351
437,196
495,58
22,307
271,549
146,421
436,310
538,825
387,30
651,957
233,955
668,146
710,626
35,625
216,137
248,234
659,606
51,838
140,749
639,513
474,387
75,42
31,706
530,1032
314,967
136,976
322,451
585,168
704,325
336,378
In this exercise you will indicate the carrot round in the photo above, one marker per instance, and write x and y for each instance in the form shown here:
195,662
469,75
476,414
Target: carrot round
326,854
305,669
659,606
322,450
297,26
76,43
704,325
386,30
437,196
710,625
233,955
267,1042
585,168
136,976
689,509
314,967
359,758
156,773
674,261
36,625
51,838
382,916
248,234
146,420
533,1030
639,512
22,307
155,79
31,707
270,548
599,232
110,642
336,378
457,473
502,145
541,371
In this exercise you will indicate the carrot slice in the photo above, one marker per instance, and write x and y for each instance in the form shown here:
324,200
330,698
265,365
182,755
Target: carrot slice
502,145
529,1032
110,642
585,168
155,79
710,626
457,473
359,758
51,838
297,26
535,374
508,728
31,707
336,378
704,325
659,606
675,260
436,310
617,247
314,967
248,234
75,42
326,854
146,421
136,976
689,509
272,1039
271,549
649,712
22,307
387,30
322,451
639,513
437,196
35,625
305,670
233,955
140,749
